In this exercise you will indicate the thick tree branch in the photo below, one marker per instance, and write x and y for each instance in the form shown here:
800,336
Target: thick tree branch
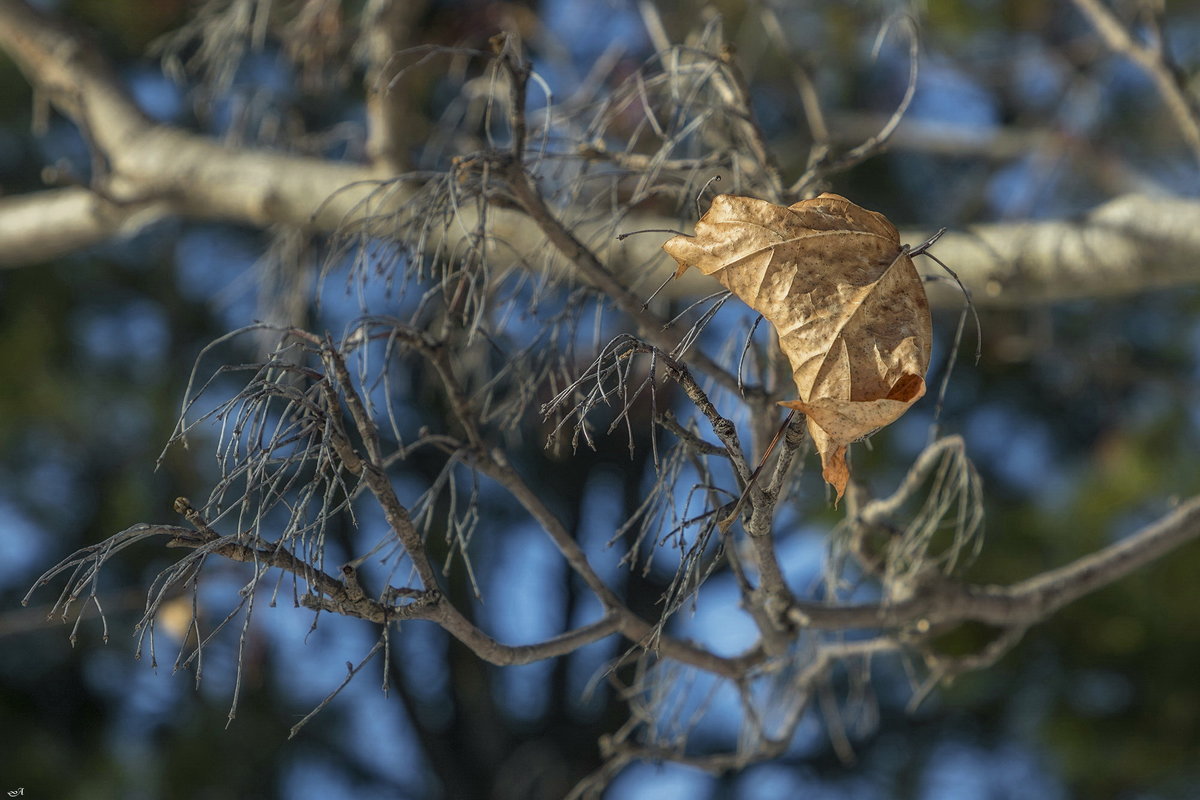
1127,245
45,225
149,163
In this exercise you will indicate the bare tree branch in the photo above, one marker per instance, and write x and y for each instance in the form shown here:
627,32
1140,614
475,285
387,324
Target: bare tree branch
1129,244
515,227
942,601
44,225
1153,59
821,165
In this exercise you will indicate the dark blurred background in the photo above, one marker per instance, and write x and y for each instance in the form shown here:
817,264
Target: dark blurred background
1083,418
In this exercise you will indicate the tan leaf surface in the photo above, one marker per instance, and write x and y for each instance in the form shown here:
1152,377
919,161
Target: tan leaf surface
847,303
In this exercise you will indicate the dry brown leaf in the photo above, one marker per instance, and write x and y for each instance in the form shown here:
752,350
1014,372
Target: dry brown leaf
845,299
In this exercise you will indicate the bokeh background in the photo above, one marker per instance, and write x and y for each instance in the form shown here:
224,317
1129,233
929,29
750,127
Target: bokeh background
1082,417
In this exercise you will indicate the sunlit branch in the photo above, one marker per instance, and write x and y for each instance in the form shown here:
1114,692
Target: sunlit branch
154,171
1153,59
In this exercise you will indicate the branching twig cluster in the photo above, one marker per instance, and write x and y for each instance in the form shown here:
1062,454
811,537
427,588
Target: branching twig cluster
319,430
